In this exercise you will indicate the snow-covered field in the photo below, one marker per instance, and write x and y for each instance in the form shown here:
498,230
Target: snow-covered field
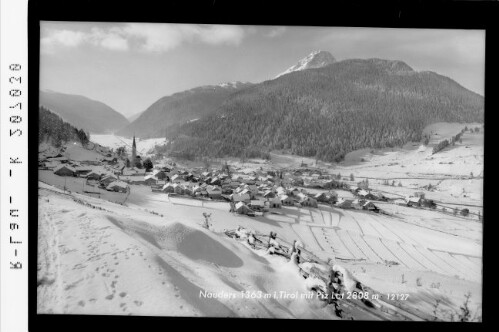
148,254
112,141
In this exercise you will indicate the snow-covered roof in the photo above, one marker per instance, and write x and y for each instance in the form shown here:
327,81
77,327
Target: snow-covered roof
61,166
118,183
414,199
363,192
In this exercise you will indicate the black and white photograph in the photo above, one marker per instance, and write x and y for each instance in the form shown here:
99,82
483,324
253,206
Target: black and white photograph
258,171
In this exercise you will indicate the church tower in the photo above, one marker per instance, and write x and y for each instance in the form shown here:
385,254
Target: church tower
134,151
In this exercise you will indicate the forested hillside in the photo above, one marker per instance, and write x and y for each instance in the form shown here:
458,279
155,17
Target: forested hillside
179,108
54,130
330,111
83,112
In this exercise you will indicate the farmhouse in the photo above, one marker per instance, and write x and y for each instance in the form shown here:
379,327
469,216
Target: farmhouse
368,205
275,202
286,200
168,188
240,197
93,176
257,205
366,194
118,186
242,208
150,180
64,170
107,179
178,189
215,181
160,174
345,203
214,192
82,170
413,201
305,200
269,194
379,196
330,197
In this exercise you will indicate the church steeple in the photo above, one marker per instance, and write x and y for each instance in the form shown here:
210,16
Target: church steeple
134,150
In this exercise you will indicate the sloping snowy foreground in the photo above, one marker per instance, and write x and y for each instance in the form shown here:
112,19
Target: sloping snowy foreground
98,257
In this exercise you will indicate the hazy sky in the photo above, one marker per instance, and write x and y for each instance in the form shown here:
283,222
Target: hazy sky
130,66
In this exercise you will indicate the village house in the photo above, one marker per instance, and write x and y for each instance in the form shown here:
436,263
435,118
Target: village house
379,196
168,188
366,194
82,170
61,160
305,200
257,205
214,192
242,208
240,197
215,181
413,201
64,170
175,178
107,179
275,202
329,198
150,180
118,186
188,190
93,175
269,194
286,200
368,205
178,189
160,174
345,203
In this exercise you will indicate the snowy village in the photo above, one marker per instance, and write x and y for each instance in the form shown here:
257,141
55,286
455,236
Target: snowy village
152,217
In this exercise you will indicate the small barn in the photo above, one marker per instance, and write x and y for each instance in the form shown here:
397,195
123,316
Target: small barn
93,176
345,204
178,189
413,201
64,170
366,194
150,180
305,200
240,197
286,200
118,186
82,170
242,208
275,202
106,180
168,188
214,192
257,205
269,194
368,205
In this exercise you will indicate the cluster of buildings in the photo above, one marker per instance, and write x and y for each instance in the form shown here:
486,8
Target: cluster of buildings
250,192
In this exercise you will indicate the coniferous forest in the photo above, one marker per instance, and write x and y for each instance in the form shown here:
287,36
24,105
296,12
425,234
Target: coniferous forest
56,131
328,112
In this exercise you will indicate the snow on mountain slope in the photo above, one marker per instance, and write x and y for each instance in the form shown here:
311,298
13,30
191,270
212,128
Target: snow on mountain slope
316,59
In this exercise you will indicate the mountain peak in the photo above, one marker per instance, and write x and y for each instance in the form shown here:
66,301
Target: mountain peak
316,59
